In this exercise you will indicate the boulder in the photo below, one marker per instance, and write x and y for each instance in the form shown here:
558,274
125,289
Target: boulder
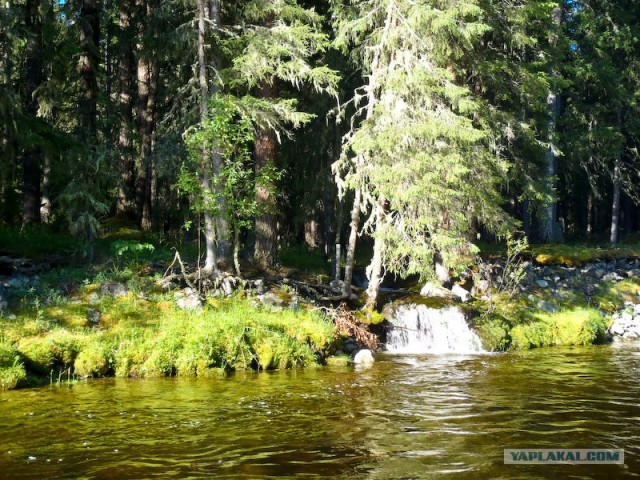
93,317
463,295
480,287
363,357
432,289
113,289
542,283
187,299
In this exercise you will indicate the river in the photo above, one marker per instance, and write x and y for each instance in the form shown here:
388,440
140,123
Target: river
431,417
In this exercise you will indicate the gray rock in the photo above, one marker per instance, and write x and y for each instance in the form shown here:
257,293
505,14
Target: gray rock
548,307
93,298
626,318
630,334
542,283
93,316
228,285
113,289
598,273
363,357
18,281
617,329
3,301
259,286
271,299
612,277
431,289
463,295
187,299
481,287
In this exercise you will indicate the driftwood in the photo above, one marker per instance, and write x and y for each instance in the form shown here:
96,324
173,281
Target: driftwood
347,324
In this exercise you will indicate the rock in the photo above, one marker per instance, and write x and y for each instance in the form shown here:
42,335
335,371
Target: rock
336,285
480,287
542,283
630,334
617,329
272,300
113,289
548,307
442,273
259,286
636,309
228,285
18,281
187,299
350,346
431,289
612,277
463,295
598,273
626,318
93,298
3,301
93,317
363,357
633,273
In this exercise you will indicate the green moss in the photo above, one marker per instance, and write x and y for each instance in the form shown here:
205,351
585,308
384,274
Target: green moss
493,333
612,296
93,360
338,361
581,326
579,254
39,354
11,377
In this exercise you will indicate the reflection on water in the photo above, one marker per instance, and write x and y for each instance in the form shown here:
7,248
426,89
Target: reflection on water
430,417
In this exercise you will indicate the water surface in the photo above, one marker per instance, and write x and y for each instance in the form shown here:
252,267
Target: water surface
431,417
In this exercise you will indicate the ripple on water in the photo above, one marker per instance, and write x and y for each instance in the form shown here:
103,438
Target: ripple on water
406,417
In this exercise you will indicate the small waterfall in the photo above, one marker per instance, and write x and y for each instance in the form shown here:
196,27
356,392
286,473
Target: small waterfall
418,329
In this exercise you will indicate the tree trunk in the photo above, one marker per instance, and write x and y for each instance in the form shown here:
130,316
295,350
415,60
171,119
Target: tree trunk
145,116
204,174
126,160
547,216
375,272
616,180
45,205
265,153
351,246
31,160
88,67
589,215
615,206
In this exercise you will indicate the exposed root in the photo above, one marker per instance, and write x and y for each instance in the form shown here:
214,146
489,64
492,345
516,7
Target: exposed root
348,325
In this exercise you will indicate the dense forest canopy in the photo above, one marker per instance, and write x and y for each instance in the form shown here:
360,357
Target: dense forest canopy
413,128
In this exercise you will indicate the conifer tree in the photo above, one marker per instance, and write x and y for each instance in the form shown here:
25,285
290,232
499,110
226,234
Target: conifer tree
422,156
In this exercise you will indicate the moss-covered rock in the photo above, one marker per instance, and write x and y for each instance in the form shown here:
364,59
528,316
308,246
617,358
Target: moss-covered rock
93,360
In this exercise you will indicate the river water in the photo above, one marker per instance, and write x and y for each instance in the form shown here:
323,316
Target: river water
432,417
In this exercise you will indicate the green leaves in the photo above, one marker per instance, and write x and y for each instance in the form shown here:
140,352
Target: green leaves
423,148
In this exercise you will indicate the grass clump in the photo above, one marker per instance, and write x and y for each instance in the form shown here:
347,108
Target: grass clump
12,370
234,336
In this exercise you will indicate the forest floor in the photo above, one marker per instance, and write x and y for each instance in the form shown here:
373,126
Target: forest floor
131,314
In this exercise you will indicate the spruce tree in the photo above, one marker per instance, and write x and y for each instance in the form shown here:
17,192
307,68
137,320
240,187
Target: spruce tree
421,157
